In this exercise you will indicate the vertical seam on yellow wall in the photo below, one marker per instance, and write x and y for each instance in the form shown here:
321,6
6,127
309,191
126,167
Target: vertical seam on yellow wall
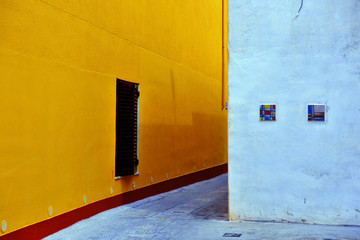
224,54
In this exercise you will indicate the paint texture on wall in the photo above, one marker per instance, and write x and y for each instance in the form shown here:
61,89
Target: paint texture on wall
59,63
294,170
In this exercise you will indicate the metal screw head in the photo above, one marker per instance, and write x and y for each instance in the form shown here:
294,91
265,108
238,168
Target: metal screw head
50,210
3,226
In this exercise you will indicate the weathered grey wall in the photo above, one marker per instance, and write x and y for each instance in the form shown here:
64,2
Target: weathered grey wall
292,169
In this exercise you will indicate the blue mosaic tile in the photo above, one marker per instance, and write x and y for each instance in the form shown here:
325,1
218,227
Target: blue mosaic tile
268,112
316,112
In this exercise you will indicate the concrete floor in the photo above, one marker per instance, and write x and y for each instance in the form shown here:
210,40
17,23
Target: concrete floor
197,211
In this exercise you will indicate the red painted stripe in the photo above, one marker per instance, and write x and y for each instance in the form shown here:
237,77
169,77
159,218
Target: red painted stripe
52,225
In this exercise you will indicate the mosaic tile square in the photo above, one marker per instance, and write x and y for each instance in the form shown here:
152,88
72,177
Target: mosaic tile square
267,112
316,112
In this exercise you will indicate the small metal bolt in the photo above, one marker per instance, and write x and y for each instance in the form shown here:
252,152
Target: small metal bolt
3,226
50,211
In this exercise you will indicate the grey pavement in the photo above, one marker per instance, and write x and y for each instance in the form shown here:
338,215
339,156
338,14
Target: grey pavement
197,211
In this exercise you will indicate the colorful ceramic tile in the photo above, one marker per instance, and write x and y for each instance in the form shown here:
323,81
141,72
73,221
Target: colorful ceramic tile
316,112
267,112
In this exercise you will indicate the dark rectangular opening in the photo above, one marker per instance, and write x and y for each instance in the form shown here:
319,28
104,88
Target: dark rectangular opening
126,155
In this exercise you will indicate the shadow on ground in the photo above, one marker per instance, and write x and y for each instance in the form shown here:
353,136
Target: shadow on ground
189,202
197,211
216,209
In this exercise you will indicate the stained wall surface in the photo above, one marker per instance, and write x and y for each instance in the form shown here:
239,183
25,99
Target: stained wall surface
291,169
59,63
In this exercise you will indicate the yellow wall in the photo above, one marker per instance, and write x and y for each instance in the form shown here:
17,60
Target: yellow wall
59,60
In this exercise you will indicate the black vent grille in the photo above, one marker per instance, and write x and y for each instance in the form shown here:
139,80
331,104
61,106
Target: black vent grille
126,157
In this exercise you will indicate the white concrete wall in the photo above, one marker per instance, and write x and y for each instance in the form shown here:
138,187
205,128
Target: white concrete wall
292,169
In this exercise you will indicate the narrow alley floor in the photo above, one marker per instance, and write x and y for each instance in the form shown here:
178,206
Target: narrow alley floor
197,211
